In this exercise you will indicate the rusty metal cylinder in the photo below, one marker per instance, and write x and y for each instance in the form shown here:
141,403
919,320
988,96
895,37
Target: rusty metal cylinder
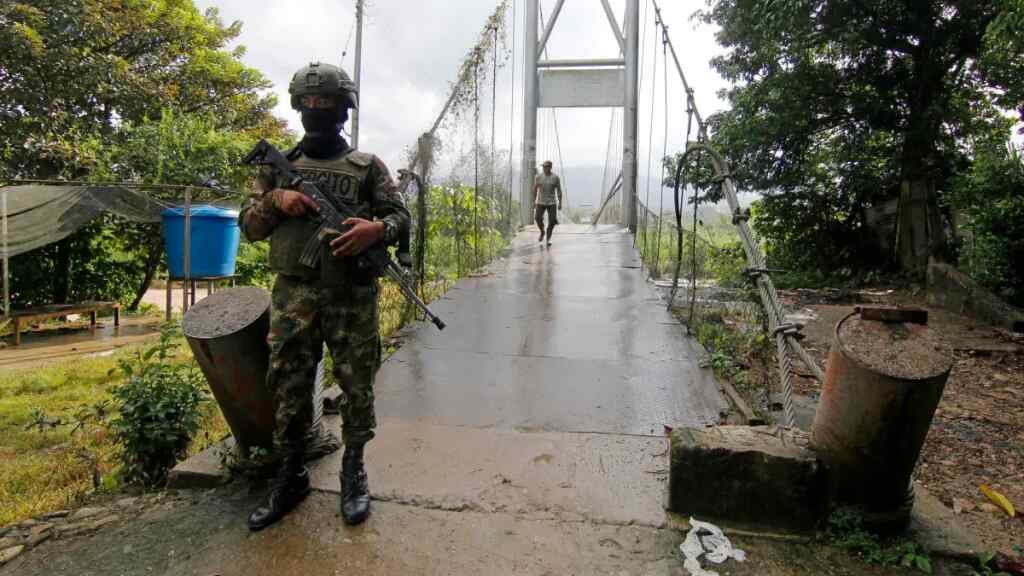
885,377
227,332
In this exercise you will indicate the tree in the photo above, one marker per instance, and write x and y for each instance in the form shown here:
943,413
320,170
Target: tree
80,78
177,149
840,104
990,199
81,67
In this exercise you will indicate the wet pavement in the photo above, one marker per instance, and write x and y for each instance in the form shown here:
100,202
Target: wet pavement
527,438
570,338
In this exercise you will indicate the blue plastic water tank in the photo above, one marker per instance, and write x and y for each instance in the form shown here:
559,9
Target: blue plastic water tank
214,242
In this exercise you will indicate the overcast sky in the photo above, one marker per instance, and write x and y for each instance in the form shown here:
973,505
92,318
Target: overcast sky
411,51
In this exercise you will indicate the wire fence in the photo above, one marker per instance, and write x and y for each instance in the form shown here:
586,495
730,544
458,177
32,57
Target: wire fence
700,276
457,183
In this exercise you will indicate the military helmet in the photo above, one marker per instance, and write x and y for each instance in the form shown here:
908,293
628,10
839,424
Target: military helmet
319,79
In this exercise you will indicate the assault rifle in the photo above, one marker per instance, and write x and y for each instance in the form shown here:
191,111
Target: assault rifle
375,257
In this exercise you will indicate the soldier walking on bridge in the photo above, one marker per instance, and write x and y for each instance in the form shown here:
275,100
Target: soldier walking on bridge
546,200
334,302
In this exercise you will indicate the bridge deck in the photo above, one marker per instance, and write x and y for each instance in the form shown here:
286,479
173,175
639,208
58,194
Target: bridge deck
569,338
527,439
548,394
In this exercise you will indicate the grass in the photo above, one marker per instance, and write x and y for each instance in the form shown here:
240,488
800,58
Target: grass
46,463
845,532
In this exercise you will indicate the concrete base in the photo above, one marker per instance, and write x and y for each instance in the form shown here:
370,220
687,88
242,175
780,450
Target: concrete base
603,478
957,292
748,477
204,470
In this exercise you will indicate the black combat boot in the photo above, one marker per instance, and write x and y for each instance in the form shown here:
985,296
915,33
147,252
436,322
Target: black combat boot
355,493
289,487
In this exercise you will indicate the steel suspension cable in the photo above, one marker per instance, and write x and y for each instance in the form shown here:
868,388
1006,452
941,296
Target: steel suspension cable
664,152
604,172
690,111
512,120
650,145
491,203
639,90
476,160
785,334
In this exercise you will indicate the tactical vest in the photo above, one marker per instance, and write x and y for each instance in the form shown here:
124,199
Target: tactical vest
341,180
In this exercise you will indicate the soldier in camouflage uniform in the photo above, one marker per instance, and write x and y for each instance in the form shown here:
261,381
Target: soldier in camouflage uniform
334,303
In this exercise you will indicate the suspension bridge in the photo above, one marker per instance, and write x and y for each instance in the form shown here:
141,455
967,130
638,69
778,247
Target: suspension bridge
537,422
530,436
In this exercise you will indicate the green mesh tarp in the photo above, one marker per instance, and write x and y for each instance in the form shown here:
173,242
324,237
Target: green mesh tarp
40,214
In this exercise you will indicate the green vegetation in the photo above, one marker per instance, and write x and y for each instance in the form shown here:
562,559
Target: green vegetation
984,565
159,409
463,230
991,199
845,532
717,250
837,107
148,91
57,443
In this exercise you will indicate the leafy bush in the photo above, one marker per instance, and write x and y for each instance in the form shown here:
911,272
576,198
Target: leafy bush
846,532
991,198
159,408
253,264
96,261
463,228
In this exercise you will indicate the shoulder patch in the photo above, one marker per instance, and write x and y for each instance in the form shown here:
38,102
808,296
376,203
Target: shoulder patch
361,159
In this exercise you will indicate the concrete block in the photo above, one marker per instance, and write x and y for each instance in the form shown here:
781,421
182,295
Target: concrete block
957,292
937,529
761,478
204,470
332,400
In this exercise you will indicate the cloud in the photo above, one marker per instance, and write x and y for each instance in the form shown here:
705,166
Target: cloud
412,50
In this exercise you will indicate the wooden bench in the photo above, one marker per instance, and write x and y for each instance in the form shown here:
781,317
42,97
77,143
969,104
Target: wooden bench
56,310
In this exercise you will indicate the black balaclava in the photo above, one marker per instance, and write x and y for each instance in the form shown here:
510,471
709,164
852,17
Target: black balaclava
323,132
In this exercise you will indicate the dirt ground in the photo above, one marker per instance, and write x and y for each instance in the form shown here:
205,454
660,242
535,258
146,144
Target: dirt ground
56,342
977,436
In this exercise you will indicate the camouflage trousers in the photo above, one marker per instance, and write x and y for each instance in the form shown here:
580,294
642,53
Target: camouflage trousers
304,316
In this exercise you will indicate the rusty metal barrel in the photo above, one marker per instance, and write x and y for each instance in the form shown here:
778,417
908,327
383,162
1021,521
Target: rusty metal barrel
886,374
227,332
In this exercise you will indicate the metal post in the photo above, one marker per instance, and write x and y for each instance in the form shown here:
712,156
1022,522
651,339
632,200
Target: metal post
530,102
615,25
630,125
6,257
582,63
550,26
188,251
358,71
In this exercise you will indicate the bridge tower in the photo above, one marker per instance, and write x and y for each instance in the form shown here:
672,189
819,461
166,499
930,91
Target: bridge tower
603,83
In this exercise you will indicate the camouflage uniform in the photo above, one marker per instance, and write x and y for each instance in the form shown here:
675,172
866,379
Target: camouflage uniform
335,303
